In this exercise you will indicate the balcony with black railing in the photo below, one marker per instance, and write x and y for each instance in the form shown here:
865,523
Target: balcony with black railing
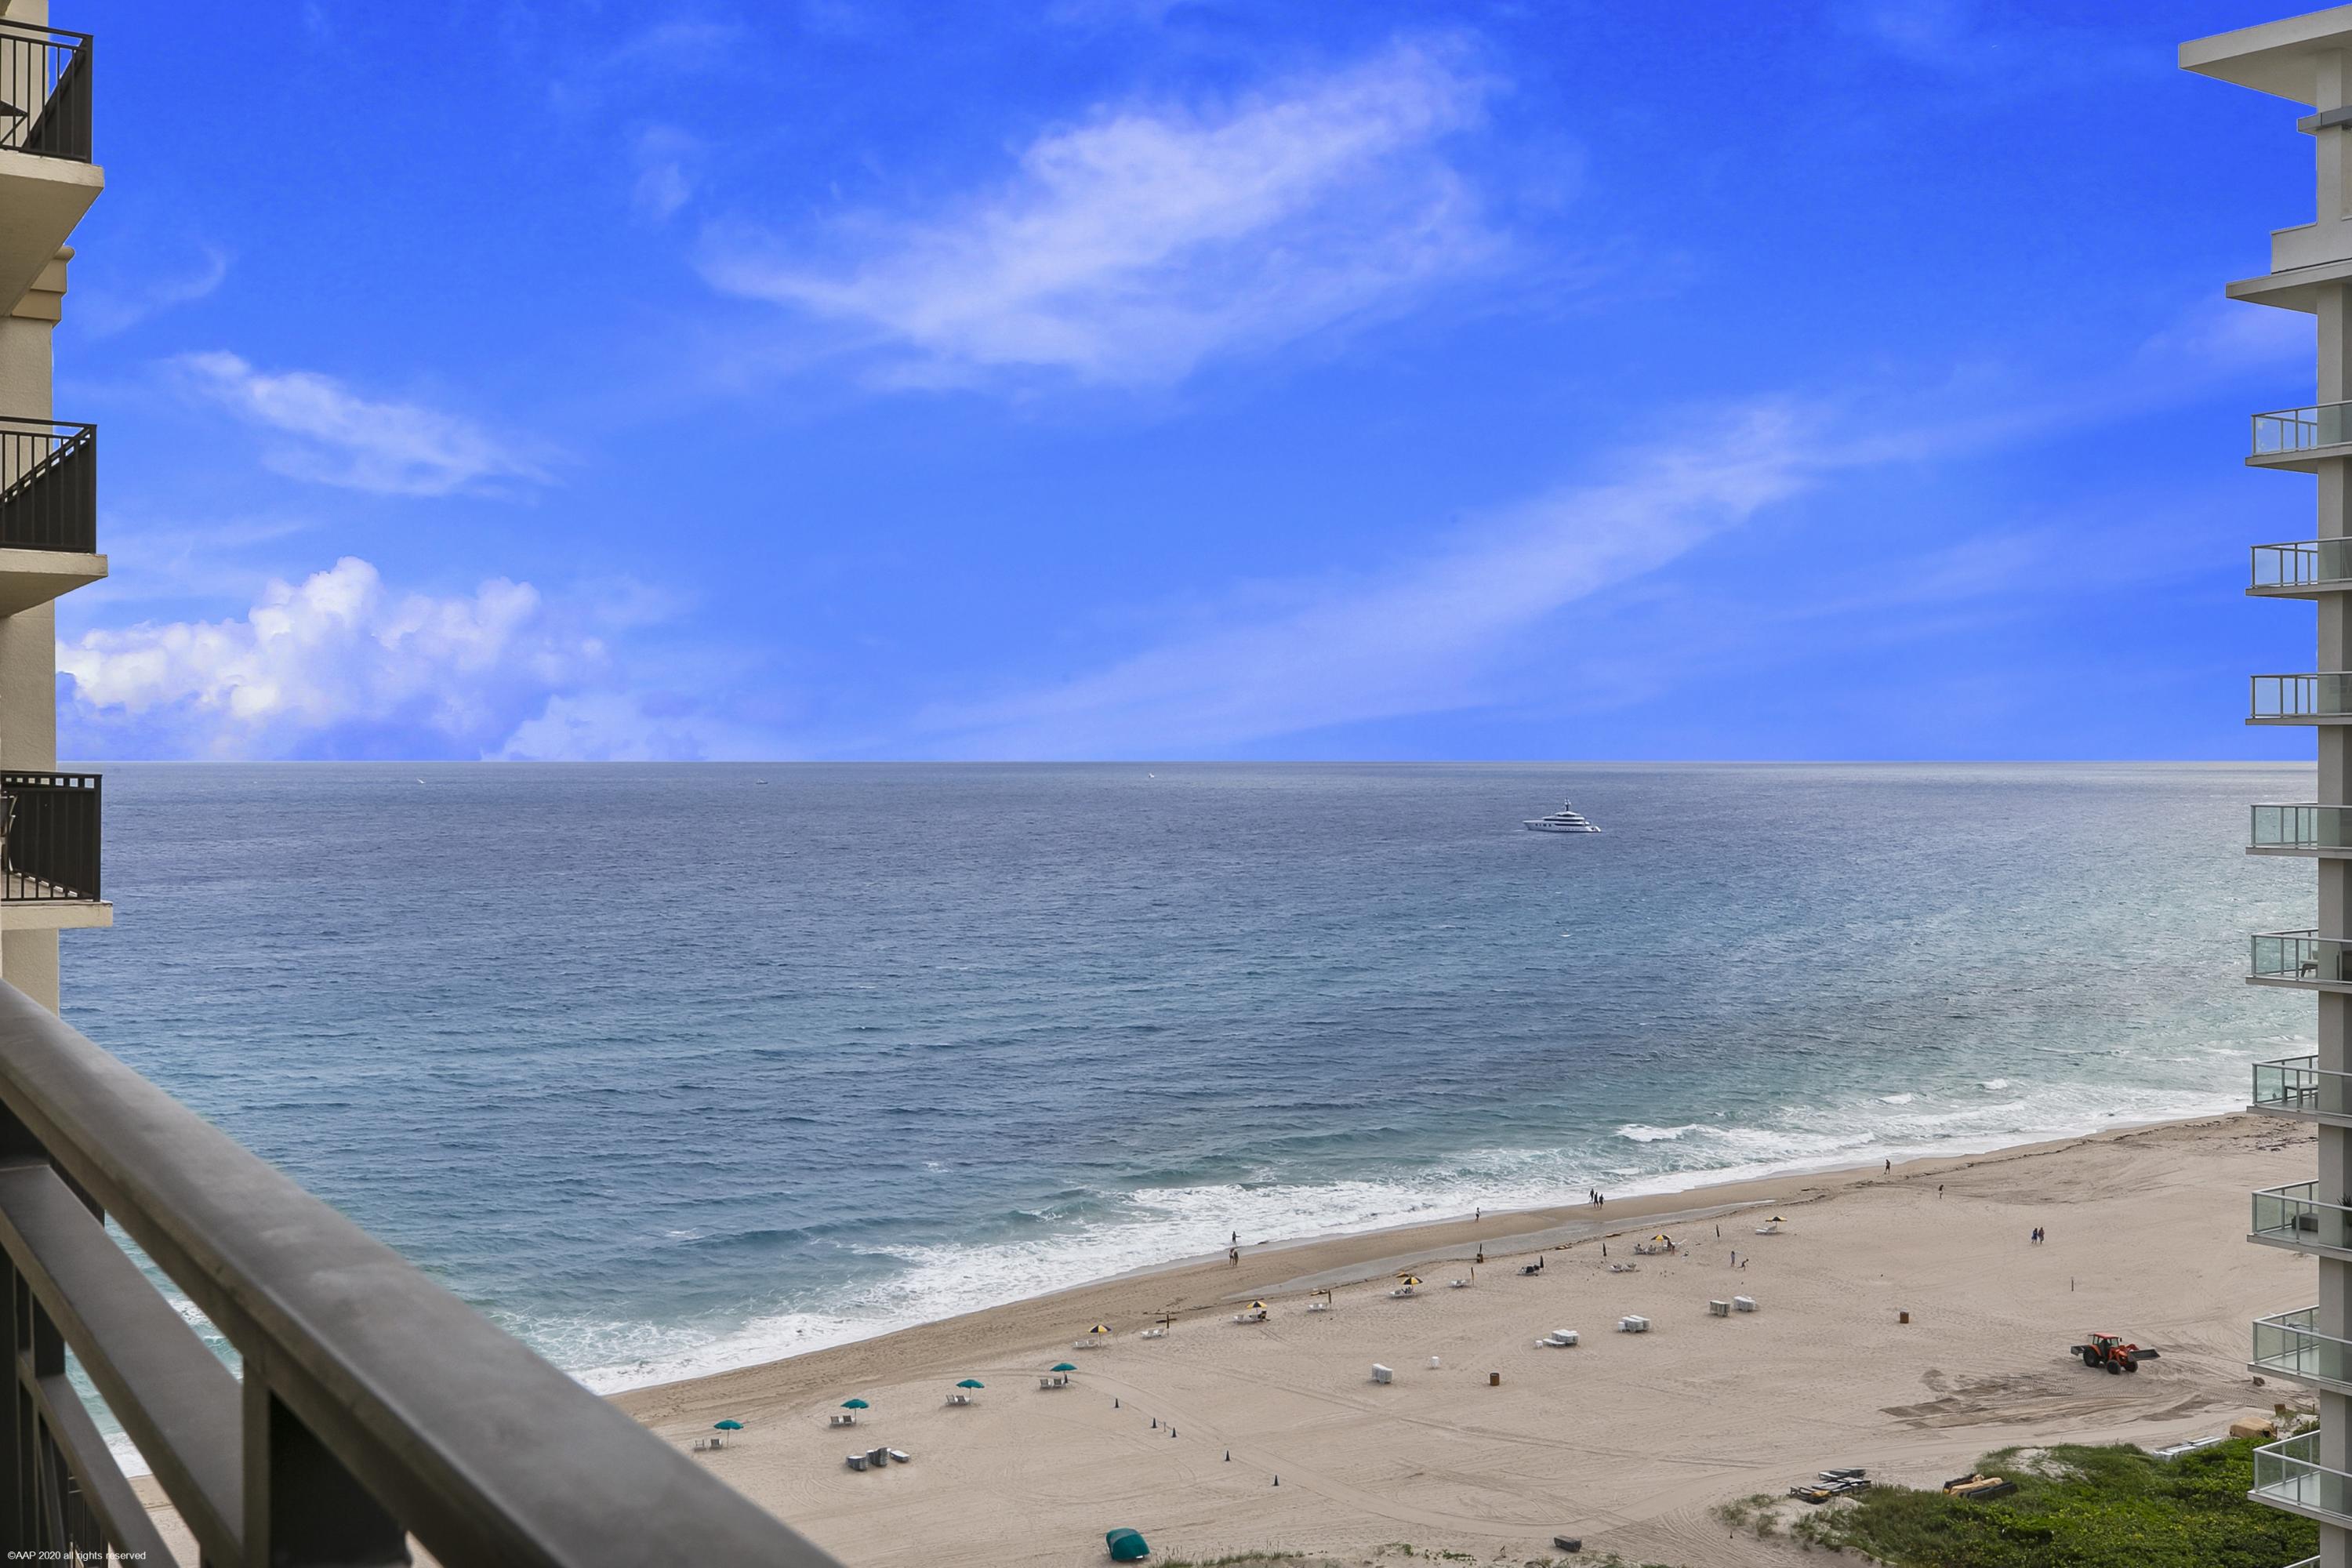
49,848
369,1405
48,510
45,91
47,178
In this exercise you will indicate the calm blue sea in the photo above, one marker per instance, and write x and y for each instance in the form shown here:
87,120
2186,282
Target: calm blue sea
671,1068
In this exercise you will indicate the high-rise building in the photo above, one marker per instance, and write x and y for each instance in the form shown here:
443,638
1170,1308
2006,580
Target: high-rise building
2308,60
49,497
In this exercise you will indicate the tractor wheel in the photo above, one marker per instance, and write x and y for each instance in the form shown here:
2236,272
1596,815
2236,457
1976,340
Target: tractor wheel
2115,1369
2131,1366
2090,1356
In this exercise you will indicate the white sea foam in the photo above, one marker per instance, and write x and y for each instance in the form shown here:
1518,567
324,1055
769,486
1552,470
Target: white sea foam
1156,1225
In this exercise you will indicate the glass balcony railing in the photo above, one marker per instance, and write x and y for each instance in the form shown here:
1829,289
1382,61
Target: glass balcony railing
2293,1216
2297,1086
2304,564
2286,430
2287,1345
2301,699
2301,958
2288,1475
2304,826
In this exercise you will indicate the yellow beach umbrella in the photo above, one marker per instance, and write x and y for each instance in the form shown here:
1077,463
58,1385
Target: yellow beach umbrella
1100,1328
1257,1306
1412,1279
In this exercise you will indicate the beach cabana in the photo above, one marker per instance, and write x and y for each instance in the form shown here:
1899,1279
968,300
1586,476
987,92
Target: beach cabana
1126,1546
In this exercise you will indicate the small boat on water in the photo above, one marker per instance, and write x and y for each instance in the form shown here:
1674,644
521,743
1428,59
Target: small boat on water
1567,819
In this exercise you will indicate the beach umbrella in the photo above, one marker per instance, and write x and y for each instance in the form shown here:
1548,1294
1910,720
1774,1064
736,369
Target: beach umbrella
1100,1328
972,1383
856,1405
728,1426
1776,1219
1410,1278
1257,1306
1063,1366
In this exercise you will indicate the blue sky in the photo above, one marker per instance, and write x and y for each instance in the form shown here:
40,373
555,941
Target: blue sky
1122,378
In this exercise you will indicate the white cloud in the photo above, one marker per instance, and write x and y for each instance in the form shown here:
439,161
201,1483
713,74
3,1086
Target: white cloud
1132,248
663,184
325,432
105,311
337,663
1429,636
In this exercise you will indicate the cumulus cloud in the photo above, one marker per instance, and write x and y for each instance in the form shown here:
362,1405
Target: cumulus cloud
1130,248
324,431
1430,635
339,664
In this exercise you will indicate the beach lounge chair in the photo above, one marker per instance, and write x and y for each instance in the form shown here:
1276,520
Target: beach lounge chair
1401,1291
1535,1268
903,1457
959,1398
1623,1268
1256,1317
842,1418
1457,1284
1153,1333
1318,1306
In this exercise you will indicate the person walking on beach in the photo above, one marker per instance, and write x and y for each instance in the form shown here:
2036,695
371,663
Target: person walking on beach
1233,1256
1890,1167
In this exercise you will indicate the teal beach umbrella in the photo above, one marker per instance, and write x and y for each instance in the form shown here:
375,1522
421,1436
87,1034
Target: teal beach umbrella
972,1383
856,1405
1063,1366
728,1426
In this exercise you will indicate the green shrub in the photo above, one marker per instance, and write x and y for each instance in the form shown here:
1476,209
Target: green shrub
2080,1507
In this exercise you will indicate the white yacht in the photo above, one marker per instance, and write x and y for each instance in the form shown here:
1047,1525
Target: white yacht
1567,819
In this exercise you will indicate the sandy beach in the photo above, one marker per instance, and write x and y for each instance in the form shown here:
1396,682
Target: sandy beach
1625,1440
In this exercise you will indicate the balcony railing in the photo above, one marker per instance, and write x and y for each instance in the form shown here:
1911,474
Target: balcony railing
45,91
372,1404
2288,1475
2303,826
2301,958
2293,1216
2301,699
2305,563
2287,1345
48,836
2287,430
49,484
2298,1086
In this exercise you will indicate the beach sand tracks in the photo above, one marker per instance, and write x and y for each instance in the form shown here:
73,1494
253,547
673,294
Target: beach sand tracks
2064,1394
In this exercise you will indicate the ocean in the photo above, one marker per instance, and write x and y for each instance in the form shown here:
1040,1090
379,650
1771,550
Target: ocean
672,1068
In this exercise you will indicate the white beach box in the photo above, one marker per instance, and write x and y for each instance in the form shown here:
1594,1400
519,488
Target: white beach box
1563,1336
1382,1373
1718,1308
1743,1303
1632,1324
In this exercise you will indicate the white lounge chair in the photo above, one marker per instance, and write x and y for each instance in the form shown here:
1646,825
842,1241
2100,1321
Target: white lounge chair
958,1399
1401,1290
1318,1306
842,1418
1155,1333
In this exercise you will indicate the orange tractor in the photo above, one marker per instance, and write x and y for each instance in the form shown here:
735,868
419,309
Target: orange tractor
2110,1352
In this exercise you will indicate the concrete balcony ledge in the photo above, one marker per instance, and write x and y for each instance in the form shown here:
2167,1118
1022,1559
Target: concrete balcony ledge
31,577
57,914
41,200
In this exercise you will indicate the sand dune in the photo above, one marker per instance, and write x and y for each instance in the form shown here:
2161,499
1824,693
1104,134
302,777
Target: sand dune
1625,1440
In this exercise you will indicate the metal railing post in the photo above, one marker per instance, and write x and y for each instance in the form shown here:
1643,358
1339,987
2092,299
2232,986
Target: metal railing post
302,1508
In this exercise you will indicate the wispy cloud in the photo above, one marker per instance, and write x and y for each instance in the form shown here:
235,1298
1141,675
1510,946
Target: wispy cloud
324,431
1428,635
104,312
663,183
1131,248
341,664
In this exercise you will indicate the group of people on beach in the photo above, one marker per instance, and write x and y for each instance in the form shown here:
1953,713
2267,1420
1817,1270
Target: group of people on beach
1594,1194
